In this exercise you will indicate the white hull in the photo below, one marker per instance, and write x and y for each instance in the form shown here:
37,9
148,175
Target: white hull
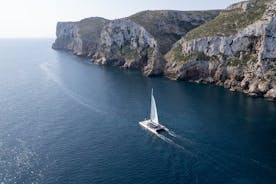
147,124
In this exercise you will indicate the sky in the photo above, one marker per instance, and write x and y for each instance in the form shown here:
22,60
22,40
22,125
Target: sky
36,18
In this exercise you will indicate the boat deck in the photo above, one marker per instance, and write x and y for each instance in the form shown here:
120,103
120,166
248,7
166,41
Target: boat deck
149,125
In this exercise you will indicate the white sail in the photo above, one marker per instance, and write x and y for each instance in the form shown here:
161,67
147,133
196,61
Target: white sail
153,110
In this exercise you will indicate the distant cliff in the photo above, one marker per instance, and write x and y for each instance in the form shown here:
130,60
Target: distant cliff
82,38
169,26
136,42
236,50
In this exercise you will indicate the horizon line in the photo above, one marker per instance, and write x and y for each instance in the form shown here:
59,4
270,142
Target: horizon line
36,37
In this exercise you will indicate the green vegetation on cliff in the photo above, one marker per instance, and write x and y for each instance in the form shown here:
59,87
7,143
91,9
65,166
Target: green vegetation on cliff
230,21
168,26
242,62
177,56
129,53
91,27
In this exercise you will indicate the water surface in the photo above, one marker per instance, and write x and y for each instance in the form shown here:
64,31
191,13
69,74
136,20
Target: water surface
64,120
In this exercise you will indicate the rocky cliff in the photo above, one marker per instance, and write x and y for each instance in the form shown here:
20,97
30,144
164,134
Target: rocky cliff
127,44
82,38
236,50
169,26
136,42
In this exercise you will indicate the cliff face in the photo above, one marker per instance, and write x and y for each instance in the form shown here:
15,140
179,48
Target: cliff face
236,50
169,26
127,44
136,42
81,37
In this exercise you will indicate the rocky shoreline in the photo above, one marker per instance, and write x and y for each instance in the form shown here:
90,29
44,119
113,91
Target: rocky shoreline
242,60
234,48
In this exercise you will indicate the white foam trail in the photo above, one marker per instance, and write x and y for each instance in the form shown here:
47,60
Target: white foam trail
56,79
171,132
207,155
168,140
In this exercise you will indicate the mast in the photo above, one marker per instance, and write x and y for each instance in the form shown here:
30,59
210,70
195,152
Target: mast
153,110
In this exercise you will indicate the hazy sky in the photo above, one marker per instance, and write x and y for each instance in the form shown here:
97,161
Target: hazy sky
35,18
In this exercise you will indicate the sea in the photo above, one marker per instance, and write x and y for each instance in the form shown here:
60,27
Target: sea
66,120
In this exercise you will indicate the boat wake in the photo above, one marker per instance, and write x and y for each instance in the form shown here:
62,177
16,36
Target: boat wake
208,153
160,130
172,142
77,98
170,132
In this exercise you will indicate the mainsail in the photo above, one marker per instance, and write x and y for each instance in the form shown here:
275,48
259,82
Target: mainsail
153,110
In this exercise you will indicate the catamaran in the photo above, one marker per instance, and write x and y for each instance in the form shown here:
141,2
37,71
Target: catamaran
152,124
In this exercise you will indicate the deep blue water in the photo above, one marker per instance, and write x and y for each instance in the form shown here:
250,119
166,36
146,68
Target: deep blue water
64,120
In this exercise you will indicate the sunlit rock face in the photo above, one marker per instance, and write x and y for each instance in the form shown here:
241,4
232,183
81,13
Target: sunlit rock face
239,54
234,48
127,44
136,42
82,38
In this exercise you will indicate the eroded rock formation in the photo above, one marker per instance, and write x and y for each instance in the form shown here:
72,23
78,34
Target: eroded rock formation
236,50
136,42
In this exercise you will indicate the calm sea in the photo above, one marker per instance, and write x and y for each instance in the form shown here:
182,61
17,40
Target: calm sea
64,120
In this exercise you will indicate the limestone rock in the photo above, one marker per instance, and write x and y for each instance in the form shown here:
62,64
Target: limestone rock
168,26
127,44
271,94
135,42
239,54
81,38
264,86
253,89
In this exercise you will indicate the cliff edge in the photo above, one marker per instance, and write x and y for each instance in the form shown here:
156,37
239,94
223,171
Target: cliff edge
236,50
136,42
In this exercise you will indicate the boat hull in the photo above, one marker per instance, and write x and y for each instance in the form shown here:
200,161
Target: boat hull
148,125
